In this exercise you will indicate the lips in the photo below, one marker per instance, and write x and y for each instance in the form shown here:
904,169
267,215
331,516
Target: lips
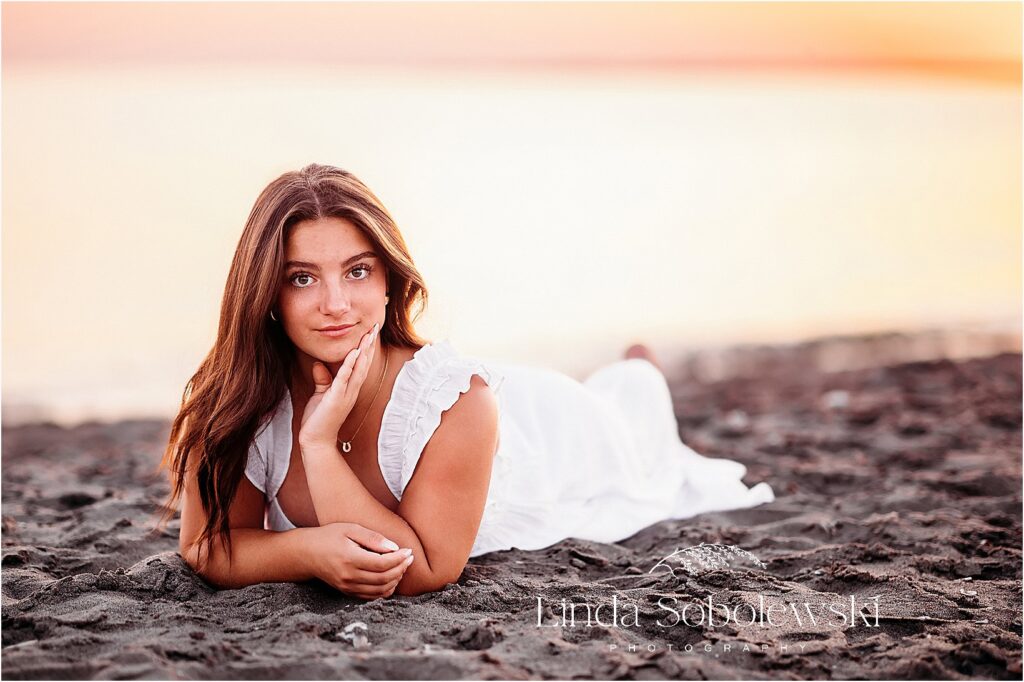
337,330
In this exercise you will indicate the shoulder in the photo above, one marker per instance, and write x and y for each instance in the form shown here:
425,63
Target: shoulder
450,390
443,408
467,436
475,410
473,416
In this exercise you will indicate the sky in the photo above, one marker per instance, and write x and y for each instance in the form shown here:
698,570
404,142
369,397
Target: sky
570,177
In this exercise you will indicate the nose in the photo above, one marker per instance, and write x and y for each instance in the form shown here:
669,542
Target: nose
335,300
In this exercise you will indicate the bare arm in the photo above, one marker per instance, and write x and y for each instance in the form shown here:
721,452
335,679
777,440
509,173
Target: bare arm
442,506
258,556
333,553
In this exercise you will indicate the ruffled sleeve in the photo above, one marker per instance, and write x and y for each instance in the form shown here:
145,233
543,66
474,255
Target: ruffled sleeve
426,386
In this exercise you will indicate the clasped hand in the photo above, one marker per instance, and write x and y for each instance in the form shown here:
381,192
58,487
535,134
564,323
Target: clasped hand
358,561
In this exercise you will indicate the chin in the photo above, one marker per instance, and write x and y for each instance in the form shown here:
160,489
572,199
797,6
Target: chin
326,352
333,354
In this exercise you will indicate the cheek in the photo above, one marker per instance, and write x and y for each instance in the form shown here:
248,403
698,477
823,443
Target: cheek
371,295
295,304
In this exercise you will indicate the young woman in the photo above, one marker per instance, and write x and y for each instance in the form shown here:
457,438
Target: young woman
322,438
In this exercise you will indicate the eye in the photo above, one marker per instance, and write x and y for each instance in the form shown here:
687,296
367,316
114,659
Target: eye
297,278
364,269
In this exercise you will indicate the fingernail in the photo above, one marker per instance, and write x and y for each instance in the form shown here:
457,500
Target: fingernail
355,356
389,545
407,552
409,560
376,328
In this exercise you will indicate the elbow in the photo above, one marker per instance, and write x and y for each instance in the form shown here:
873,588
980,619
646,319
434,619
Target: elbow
206,568
407,588
215,580
414,586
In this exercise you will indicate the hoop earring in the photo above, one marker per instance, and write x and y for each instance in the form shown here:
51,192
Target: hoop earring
272,316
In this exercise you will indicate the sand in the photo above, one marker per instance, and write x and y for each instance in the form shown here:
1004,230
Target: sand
900,482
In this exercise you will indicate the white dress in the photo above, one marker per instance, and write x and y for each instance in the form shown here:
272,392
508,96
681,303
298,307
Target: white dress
597,460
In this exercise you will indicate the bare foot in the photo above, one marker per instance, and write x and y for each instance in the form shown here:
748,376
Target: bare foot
639,350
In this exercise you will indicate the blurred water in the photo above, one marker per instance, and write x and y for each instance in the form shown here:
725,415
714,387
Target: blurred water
556,218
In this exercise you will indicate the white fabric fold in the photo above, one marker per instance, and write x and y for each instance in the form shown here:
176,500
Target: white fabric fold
427,386
597,460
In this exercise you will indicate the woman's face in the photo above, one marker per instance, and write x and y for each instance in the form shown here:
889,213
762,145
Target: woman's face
332,278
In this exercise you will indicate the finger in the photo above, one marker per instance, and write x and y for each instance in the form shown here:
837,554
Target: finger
372,596
392,587
366,347
378,579
321,377
378,563
362,364
370,539
366,596
368,593
383,591
341,379
354,589
395,575
367,342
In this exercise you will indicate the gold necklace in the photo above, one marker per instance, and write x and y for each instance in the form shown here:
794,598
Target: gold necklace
346,446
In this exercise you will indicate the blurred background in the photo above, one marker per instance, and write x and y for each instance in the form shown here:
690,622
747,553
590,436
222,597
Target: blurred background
570,177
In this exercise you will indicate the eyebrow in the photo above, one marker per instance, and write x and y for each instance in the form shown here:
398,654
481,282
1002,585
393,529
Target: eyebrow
314,266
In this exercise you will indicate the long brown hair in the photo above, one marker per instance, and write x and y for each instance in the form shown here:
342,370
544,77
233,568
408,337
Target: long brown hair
245,374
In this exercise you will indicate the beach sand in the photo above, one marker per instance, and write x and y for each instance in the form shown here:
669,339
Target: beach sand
900,482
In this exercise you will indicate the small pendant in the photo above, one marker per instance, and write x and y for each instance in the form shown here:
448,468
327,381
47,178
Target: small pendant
346,446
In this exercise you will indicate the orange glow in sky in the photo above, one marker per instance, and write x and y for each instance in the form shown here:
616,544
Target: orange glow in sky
973,39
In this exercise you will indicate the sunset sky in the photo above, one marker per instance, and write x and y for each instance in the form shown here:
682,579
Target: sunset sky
978,40
570,177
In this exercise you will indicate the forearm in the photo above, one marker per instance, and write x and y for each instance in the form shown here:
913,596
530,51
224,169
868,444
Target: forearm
340,497
257,556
